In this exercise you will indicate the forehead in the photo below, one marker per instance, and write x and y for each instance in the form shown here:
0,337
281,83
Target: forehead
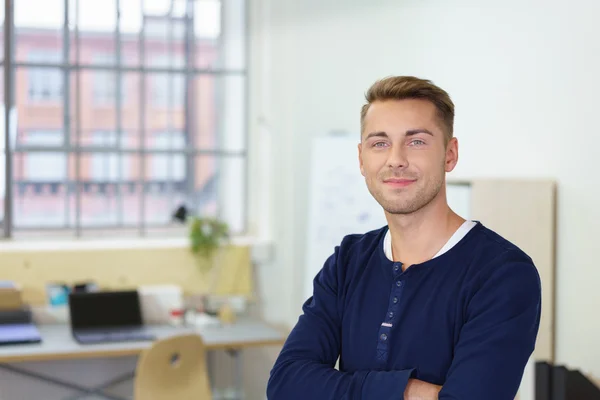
401,114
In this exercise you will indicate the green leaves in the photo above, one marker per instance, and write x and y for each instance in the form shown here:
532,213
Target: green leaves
206,235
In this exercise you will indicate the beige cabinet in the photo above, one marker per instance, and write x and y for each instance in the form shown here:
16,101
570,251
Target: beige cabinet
524,212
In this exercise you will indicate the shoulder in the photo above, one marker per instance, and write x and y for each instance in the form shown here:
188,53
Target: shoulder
349,257
495,243
360,242
356,249
354,252
489,247
497,258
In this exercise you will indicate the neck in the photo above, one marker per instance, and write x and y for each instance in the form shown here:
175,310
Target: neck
417,237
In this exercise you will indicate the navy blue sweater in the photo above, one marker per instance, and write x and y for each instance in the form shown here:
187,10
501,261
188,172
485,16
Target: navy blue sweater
466,320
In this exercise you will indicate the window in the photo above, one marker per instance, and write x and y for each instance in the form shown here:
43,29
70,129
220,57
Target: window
105,82
84,160
45,83
168,89
44,165
105,166
168,167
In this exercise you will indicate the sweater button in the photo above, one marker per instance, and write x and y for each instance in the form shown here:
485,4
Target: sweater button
395,300
398,283
383,337
396,268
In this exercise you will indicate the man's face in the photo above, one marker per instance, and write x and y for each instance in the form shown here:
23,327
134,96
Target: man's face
402,154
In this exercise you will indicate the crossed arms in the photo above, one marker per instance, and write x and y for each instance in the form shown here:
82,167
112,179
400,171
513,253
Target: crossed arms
493,348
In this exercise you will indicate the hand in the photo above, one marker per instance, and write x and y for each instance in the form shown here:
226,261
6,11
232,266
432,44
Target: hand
419,390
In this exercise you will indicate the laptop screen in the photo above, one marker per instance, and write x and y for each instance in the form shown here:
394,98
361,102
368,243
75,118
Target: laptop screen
105,309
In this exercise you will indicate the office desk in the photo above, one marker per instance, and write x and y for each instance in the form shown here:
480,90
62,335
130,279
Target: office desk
58,344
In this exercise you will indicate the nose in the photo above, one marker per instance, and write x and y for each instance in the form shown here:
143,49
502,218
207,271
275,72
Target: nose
397,157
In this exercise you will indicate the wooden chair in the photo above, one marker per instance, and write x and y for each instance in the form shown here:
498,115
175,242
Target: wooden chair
173,368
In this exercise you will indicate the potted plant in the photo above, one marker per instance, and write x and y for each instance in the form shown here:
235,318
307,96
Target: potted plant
206,236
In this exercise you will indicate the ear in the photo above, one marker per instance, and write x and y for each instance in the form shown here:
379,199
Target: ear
360,161
451,154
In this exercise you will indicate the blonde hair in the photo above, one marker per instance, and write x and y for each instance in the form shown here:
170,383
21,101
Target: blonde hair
410,87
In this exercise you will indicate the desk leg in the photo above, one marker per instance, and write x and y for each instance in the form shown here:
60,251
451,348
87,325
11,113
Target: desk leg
210,361
238,367
99,390
86,391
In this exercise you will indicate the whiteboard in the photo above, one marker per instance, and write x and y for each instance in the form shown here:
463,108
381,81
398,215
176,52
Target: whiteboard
339,201
459,198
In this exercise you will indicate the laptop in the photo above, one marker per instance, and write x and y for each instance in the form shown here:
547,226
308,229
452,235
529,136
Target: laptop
22,333
104,317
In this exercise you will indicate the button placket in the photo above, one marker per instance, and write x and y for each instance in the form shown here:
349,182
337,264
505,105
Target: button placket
385,330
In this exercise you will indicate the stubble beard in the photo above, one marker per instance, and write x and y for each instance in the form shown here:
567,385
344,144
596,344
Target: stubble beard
408,200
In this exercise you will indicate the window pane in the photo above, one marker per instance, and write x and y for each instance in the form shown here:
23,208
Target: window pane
166,167
220,117
97,25
220,30
45,166
117,203
167,91
205,180
1,36
39,106
105,89
165,42
131,23
232,192
97,112
156,7
40,85
102,189
165,178
180,8
131,107
38,24
132,195
40,194
207,19
2,158
2,82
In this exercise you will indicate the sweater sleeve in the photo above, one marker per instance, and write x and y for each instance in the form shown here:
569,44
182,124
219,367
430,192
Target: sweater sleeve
305,366
498,337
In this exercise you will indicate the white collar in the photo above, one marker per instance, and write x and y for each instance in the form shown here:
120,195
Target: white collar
460,233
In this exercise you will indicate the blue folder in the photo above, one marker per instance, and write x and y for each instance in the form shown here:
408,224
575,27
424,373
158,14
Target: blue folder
19,334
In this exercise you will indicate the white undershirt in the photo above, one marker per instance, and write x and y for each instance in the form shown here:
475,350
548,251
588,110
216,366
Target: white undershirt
456,237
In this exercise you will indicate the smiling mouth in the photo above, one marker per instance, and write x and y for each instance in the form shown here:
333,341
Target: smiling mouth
397,182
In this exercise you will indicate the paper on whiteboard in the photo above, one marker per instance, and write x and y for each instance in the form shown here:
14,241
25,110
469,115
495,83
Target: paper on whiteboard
339,201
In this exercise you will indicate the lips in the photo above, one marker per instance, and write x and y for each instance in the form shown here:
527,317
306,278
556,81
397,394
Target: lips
398,182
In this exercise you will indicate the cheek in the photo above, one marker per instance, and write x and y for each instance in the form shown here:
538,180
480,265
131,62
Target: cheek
372,164
428,160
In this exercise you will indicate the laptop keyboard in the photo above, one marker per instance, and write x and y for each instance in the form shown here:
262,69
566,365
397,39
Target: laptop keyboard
113,335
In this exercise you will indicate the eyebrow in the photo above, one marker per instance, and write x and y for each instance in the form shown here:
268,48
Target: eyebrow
410,132
376,134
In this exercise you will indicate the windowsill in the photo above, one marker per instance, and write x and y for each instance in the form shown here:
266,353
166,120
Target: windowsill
111,243
261,248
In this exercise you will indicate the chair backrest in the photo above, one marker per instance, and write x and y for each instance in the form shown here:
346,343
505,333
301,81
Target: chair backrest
173,368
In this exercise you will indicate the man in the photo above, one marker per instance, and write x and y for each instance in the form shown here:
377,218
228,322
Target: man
430,306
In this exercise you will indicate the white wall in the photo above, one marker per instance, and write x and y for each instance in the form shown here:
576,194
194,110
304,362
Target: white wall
524,77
